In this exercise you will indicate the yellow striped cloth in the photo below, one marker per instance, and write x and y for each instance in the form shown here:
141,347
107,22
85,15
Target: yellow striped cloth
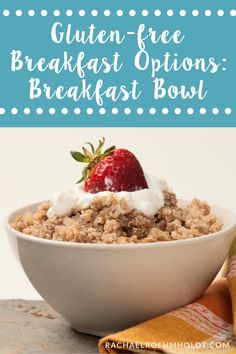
205,326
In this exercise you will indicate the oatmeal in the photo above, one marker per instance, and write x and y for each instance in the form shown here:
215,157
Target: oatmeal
108,219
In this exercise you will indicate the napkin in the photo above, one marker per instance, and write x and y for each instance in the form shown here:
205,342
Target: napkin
207,325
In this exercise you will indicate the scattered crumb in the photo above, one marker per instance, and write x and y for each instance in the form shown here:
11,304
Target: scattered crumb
34,311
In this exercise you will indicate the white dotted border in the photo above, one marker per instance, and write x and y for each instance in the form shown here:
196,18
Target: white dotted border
120,12
114,111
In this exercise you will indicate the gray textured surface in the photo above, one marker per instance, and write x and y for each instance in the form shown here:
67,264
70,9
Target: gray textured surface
32,327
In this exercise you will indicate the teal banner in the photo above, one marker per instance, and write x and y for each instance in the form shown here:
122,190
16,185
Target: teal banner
117,64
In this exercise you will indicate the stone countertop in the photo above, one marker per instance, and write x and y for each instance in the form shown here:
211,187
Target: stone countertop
32,327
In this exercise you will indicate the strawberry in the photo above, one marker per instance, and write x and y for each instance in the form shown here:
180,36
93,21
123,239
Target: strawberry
113,170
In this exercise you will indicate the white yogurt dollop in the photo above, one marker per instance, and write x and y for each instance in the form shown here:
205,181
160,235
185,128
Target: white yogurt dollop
147,201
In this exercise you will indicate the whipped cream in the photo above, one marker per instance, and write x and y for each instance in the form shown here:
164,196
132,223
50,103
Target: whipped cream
146,200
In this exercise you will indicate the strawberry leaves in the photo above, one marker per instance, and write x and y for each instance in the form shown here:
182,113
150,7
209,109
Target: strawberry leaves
78,156
91,158
110,149
91,147
84,175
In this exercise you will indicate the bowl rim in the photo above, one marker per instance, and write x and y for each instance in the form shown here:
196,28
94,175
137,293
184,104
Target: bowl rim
104,246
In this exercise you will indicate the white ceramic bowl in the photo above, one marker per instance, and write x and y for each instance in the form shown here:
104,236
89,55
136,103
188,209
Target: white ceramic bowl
102,289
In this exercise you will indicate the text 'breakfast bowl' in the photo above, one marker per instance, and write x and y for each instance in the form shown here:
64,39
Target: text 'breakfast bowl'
102,288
